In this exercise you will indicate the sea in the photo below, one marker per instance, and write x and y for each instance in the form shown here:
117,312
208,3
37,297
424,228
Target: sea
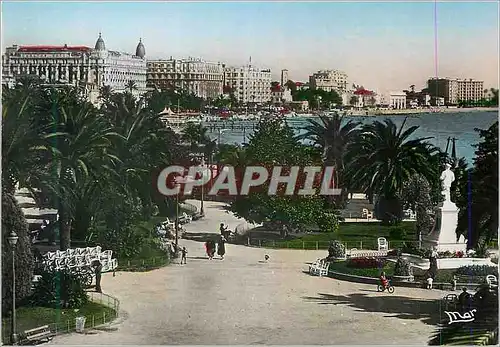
440,127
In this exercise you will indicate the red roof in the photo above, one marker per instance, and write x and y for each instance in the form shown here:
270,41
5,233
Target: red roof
363,92
298,84
53,48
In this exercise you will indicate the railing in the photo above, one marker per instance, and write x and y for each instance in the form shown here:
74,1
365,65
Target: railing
91,321
317,245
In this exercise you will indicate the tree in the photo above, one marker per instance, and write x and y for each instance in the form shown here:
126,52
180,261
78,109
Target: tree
479,224
416,195
81,141
333,138
274,144
23,124
13,220
353,100
383,159
195,135
131,86
292,86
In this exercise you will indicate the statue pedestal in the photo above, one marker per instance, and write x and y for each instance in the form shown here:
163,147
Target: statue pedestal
444,237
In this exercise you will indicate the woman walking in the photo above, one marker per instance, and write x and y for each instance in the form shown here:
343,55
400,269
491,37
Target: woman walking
221,249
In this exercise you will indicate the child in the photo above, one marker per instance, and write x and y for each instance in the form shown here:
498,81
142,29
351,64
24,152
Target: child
429,282
184,252
383,279
454,282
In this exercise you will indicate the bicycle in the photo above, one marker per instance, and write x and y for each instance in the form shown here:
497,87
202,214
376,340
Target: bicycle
389,287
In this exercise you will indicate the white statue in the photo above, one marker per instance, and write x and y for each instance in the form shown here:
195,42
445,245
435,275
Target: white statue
448,177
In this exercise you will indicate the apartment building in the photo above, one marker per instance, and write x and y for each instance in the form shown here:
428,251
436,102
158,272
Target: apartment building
329,80
249,83
454,90
194,75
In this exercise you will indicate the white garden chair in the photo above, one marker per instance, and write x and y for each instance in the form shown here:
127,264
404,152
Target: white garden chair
107,254
323,270
492,280
367,214
382,244
314,267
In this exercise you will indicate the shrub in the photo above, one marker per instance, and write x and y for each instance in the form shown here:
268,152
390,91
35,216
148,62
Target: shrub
397,233
13,219
477,270
336,250
366,263
403,267
424,253
59,289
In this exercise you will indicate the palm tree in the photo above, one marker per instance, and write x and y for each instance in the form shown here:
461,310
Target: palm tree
334,139
131,86
384,159
195,134
105,92
22,126
81,140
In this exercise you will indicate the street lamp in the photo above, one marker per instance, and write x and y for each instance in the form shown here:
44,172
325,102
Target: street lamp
202,165
12,238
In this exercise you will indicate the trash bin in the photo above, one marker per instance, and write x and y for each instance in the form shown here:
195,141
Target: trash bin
80,324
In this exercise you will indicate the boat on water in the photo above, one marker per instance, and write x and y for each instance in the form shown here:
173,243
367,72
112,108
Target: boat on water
179,120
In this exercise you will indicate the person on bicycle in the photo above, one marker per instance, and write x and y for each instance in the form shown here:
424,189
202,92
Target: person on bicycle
384,280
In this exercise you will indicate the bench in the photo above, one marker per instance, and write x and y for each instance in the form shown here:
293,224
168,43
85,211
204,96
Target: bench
37,334
450,301
319,268
185,218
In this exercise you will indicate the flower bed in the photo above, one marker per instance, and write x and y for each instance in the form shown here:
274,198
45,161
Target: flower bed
366,263
374,272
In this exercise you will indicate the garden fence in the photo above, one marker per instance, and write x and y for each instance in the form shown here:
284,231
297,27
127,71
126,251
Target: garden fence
91,321
367,244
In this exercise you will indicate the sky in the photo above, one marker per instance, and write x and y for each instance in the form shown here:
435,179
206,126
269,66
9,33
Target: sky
384,46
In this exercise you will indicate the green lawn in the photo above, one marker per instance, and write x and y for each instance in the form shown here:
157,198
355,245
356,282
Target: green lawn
442,276
61,319
353,235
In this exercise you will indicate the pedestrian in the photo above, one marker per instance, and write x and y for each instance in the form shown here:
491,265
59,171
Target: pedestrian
184,252
221,249
454,282
429,281
97,271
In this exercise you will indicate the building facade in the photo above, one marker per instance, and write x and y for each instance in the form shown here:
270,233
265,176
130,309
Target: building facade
284,77
329,80
79,65
454,90
280,94
249,83
204,79
397,100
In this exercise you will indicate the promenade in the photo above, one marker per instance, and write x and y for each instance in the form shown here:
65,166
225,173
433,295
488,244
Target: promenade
245,300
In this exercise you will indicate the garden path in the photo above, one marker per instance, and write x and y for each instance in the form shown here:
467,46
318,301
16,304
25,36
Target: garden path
246,300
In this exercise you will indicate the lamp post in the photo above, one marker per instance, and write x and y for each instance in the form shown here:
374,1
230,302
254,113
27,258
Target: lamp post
177,218
202,210
12,242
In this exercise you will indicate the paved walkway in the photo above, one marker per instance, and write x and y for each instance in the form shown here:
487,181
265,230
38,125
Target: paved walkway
245,300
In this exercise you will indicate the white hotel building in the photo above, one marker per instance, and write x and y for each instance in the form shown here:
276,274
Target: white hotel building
194,75
78,65
250,84
329,80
